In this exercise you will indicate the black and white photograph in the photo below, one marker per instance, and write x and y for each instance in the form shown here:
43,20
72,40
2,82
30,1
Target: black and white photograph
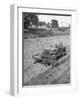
46,48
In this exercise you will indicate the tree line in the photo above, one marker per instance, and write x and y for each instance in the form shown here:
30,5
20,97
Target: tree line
32,19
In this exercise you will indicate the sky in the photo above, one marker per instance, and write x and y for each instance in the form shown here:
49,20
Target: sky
62,20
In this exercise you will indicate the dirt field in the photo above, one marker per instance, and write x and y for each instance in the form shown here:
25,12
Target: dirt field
37,74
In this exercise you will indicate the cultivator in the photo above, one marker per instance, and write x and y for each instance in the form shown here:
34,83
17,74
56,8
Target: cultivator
51,56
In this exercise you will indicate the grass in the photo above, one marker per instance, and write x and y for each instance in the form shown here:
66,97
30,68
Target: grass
32,71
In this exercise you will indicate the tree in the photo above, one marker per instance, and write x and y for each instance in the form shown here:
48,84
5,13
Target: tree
30,19
41,23
48,24
54,24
